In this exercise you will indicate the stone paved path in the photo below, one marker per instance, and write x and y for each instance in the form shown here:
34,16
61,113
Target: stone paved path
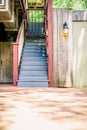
43,108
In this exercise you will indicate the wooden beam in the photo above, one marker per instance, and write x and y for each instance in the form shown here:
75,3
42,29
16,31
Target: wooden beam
22,6
13,10
17,18
15,63
12,30
50,44
32,8
7,21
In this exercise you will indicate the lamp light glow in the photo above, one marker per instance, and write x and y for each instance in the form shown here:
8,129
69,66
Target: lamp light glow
65,30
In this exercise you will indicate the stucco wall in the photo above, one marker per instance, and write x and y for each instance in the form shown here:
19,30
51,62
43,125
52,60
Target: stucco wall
80,54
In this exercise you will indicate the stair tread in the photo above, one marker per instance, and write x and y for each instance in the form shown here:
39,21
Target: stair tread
21,74
33,75
33,80
31,61
34,71
34,67
35,56
34,84
35,60
36,43
37,65
34,51
36,46
33,64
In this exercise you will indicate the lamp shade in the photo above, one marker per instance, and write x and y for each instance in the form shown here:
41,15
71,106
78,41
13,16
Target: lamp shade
65,26
65,30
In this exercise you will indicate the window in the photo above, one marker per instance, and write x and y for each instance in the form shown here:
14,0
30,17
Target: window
36,3
36,16
1,2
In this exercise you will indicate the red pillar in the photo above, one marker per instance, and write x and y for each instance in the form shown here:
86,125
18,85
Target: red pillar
50,42
15,64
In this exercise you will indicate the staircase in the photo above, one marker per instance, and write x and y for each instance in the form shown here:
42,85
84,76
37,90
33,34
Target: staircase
33,68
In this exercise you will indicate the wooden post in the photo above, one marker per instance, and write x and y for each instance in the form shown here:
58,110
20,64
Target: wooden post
50,47
15,63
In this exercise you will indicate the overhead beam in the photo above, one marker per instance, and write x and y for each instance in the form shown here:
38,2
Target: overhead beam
22,6
11,30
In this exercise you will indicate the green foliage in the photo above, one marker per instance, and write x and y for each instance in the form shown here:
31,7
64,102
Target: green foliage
36,15
85,3
74,4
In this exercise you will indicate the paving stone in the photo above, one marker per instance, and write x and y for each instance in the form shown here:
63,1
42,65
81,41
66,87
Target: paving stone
43,108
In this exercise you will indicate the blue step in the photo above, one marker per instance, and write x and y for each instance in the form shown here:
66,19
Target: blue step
34,67
34,47
34,51
33,72
34,54
33,77
33,83
34,58
35,28
34,63
36,43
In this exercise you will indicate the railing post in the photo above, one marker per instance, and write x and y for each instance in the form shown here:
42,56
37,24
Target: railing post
50,44
15,63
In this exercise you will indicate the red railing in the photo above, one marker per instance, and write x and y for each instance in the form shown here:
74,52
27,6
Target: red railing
17,51
49,47
49,40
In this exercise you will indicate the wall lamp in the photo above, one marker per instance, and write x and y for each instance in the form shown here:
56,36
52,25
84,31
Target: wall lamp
65,31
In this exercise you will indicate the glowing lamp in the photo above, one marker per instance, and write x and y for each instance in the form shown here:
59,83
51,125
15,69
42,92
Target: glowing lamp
65,30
